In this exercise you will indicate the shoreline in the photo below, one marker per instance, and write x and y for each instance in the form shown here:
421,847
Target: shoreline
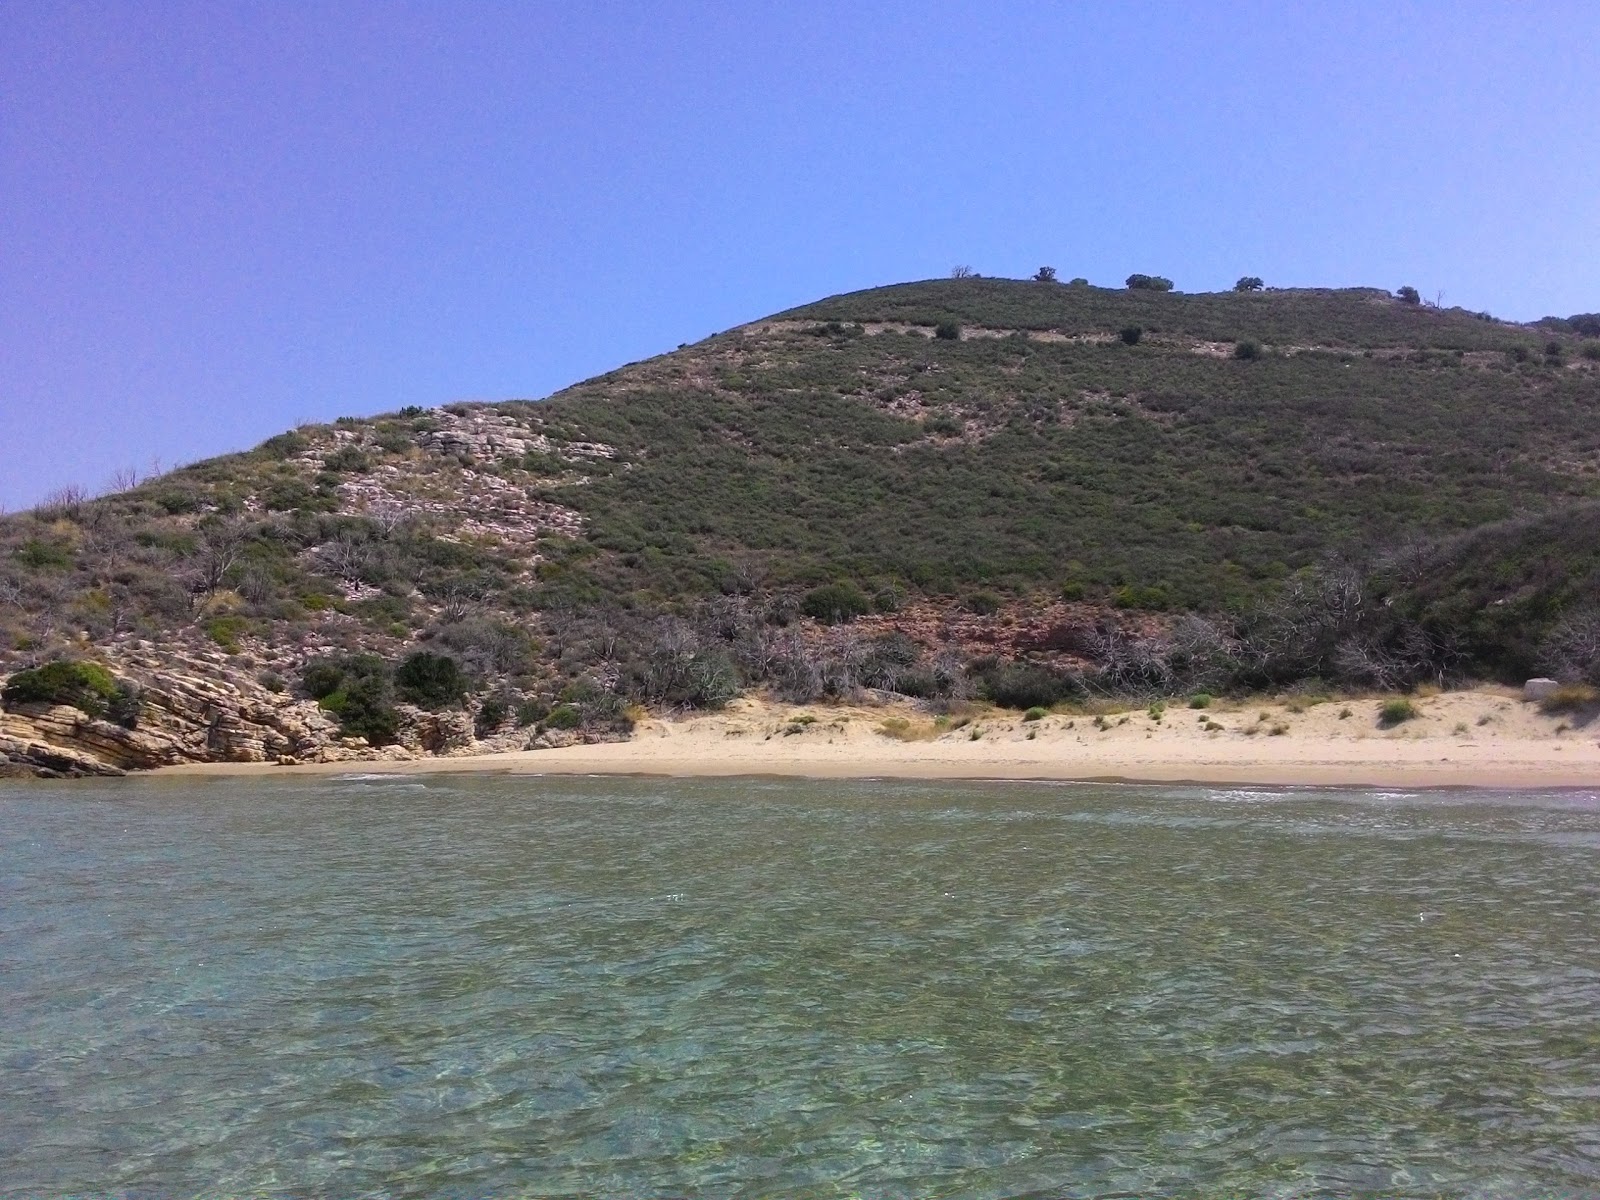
1483,738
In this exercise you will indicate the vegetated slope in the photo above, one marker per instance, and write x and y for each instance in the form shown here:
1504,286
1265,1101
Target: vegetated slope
1050,461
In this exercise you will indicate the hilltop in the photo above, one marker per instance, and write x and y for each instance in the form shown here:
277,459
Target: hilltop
1024,490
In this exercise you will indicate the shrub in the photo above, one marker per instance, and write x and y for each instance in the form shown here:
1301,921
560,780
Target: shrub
1394,712
888,599
944,425
321,677
1154,598
835,603
346,458
1078,281
365,708
492,714
1591,351
226,631
1409,295
1249,283
431,681
1027,685
87,687
1045,275
563,716
43,556
1247,351
947,331
1200,700
531,712
1036,713
1149,283
1131,335
283,445
1571,698
984,604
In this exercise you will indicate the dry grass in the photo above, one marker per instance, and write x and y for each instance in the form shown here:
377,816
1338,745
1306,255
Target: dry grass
1574,697
903,729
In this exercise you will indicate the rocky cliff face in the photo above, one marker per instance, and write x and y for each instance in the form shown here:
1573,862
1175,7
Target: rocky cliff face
196,708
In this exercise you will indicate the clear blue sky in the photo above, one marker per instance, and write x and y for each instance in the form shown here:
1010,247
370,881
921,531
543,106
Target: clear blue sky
218,220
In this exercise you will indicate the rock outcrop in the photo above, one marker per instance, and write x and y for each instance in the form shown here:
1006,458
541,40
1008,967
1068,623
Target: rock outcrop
191,709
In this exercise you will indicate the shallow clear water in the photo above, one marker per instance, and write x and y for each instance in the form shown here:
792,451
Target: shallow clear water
471,986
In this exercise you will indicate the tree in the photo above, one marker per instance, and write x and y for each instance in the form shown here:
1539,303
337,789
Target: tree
1409,295
1045,275
1249,283
1149,283
961,273
1131,335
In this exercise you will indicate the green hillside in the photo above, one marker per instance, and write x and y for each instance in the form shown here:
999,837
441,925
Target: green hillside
992,448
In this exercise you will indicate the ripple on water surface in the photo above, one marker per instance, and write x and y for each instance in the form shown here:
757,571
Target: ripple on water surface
465,986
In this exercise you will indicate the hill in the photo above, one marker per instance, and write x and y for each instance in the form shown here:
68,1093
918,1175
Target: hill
1029,489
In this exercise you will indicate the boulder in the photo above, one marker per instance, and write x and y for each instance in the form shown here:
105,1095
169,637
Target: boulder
1537,689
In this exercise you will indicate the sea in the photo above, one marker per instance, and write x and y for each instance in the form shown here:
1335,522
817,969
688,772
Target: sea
474,986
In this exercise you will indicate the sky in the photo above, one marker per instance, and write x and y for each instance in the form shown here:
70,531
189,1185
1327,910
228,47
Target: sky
220,220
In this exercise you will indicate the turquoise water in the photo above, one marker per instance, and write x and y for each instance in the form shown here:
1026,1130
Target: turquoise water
474,986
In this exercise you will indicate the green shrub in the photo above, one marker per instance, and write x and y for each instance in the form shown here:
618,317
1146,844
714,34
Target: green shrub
1249,283
1027,685
835,603
226,631
86,686
1131,334
321,677
984,604
365,708
947,331
42,555
1036,713
1045,275
284,445
346,458
563,716
1154,597
1149,283
431,681
1409,295
1247,351
944,425
531,712
1395,712
492,714
1200,700
1591,351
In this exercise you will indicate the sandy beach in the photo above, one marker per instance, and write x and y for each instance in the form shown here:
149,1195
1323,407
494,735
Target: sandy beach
1480,738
